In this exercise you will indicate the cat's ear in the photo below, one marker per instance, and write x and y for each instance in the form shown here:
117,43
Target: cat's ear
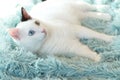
44,0
25,15
14,33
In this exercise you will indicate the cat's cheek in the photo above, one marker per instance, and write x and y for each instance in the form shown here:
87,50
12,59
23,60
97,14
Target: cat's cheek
41,36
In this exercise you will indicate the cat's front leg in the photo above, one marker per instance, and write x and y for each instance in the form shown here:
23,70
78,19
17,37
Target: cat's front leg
83,51
84,32
72,46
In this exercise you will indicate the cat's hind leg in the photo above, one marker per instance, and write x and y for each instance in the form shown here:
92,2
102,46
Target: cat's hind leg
99,15
100,7
87,33
91,10
84,6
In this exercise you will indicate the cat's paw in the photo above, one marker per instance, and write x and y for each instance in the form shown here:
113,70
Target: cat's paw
97,58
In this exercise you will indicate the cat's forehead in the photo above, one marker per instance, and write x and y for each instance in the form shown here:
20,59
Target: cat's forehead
35,23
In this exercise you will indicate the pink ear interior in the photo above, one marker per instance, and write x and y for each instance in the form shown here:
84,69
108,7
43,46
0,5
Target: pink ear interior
25,15
14,33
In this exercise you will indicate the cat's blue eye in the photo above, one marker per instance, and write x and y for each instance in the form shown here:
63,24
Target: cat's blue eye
31,32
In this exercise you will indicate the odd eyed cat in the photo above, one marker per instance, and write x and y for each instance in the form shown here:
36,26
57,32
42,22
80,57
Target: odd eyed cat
53,27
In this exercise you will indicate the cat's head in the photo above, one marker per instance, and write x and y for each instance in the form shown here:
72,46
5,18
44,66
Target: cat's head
29,33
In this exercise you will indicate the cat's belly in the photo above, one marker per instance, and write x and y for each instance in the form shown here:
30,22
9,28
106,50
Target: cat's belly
55,46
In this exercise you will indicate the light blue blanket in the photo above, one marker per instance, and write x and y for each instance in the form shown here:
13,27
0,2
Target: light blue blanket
18,64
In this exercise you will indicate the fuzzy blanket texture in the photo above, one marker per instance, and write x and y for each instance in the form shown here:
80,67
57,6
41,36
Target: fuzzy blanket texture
18,64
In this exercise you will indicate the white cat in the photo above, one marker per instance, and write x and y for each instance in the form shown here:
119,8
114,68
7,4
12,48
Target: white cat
53,27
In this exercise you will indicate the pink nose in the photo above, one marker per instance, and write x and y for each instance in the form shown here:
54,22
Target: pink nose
14,33
43,31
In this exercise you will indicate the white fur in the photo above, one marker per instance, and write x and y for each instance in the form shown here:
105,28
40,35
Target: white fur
61,19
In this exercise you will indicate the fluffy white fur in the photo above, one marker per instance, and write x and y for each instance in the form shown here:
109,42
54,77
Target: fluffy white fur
61,21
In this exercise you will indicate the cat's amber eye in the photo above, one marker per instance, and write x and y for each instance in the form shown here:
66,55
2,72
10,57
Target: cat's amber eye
31,32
